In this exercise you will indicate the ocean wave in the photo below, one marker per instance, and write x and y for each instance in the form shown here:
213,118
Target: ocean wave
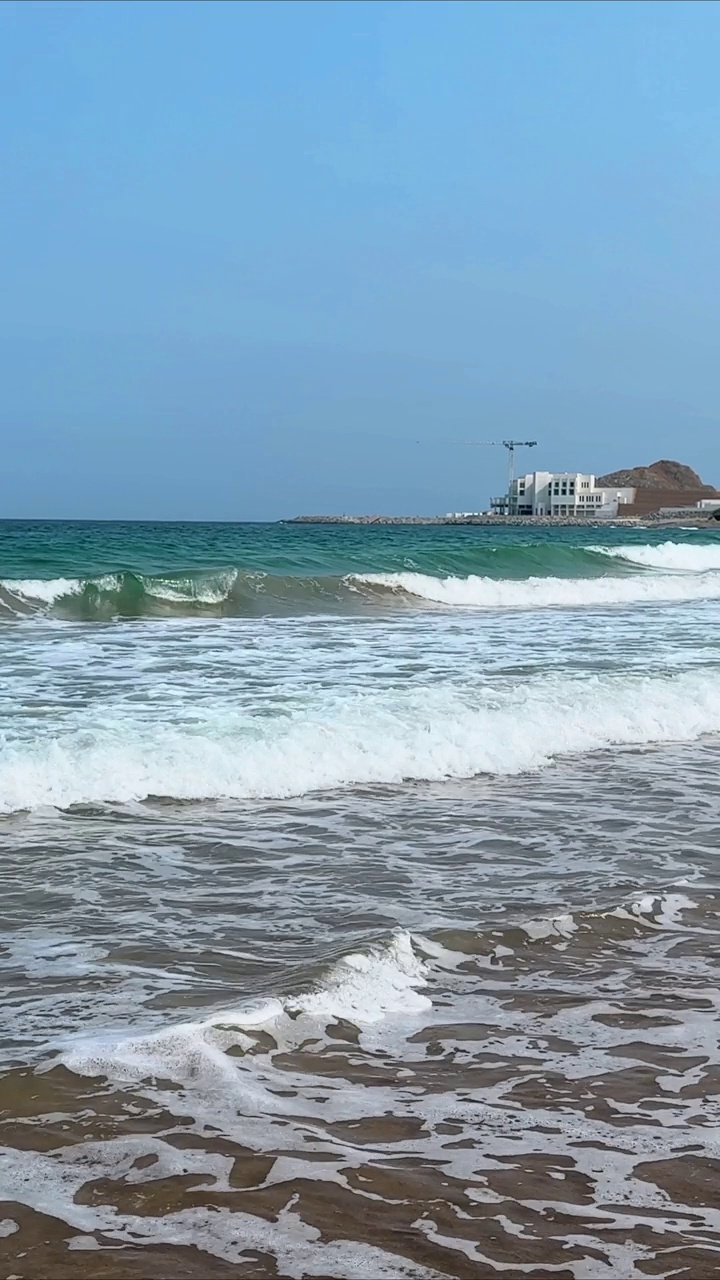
361,988
343,739
108,595
545,593
387,979
524,576
211,593
236,594
46,591
674,557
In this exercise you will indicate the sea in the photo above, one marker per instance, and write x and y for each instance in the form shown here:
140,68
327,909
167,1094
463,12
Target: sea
359,901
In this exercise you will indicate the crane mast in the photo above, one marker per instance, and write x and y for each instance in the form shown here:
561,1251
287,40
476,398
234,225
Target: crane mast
511,446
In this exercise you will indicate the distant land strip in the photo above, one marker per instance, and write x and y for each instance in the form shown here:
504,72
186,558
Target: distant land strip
701,520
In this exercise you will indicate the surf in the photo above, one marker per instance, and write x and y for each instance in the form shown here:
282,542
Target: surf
514,576
327,740
545,593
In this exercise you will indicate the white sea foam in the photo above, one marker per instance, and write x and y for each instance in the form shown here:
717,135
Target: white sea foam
662,911
44,591
337,739
50,1183
543,593
656,911
671,556
361,988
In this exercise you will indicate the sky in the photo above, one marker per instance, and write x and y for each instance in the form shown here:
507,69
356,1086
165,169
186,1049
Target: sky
269,258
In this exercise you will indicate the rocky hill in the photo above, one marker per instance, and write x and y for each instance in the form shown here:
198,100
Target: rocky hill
659,475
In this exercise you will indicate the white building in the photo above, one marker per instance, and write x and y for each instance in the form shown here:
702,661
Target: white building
561,493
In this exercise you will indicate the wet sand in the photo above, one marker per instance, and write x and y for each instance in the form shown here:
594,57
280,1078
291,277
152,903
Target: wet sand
546,1106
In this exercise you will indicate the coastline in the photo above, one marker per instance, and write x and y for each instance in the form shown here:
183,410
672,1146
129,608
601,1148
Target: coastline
343,874
563,522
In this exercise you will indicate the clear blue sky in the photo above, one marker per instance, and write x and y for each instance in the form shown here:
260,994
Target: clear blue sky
254,252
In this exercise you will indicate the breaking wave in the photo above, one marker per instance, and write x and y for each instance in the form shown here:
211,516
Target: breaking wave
385,980
675,557
545,593
515,577
360,988
338,739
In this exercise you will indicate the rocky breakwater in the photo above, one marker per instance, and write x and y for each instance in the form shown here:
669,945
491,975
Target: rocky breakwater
555,521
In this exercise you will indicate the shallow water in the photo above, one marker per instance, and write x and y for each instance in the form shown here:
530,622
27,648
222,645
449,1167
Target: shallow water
377,938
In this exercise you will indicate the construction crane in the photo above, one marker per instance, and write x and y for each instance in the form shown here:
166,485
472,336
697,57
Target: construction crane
511,446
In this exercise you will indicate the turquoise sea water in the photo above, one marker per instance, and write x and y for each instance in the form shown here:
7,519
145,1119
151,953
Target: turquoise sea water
105,569
85,548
